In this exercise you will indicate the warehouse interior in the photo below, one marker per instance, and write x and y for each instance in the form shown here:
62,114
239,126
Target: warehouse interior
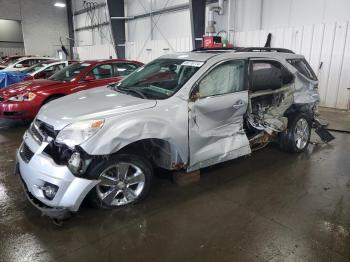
259,202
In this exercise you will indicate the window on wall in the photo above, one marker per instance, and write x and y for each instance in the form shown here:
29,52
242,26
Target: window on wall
225,78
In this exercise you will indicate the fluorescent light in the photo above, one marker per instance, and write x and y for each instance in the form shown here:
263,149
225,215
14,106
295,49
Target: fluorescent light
60,4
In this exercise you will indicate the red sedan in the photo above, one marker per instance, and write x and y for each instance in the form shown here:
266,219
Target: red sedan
23,100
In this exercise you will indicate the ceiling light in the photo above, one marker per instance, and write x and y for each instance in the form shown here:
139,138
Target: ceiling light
60,4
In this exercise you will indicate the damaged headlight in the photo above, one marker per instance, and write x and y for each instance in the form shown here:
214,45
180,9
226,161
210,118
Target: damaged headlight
77,133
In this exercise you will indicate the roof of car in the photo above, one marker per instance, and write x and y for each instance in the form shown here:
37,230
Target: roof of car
35,57
107,61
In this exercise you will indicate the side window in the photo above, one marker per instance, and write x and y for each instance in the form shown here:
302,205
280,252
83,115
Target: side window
34,61
268,75
124,69
52,70
225,78
57,68
49,70
102,71
25,63
303,67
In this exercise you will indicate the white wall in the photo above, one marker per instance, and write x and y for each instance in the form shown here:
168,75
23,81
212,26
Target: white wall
168,25
149,38
42,24
94,43
246,15
286,13
326,44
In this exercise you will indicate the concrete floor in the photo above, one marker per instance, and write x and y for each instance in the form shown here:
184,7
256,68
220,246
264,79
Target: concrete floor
271,206
340,122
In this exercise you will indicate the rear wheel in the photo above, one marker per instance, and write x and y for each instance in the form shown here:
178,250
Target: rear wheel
297,137
124,180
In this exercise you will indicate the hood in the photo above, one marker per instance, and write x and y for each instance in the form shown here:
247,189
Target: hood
96,103
27,86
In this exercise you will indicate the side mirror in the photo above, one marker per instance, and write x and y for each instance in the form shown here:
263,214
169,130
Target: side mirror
89,78
19,66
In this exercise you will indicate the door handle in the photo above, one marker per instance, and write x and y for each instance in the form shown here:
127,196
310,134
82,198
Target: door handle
238,104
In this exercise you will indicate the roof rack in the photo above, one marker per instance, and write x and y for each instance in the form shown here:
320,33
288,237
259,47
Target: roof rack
265,49
216,49
246,49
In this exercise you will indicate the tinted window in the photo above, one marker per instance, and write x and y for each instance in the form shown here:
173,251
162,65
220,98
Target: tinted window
266,75
303,67
124,69
26,63
225,78
102,71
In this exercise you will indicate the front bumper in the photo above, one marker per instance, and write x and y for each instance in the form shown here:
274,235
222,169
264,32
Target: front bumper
18,110
38,169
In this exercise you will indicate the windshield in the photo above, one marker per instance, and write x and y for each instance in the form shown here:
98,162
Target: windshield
159,79
69,73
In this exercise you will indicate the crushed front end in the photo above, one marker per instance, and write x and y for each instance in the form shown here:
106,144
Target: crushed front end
49,182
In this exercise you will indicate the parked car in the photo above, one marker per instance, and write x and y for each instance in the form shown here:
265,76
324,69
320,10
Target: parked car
182,111
45,69
9,59
23,63
41,70
23,100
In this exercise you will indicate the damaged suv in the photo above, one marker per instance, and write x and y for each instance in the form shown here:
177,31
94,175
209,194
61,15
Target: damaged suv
183,111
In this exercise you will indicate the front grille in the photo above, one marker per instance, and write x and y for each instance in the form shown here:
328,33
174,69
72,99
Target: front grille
46,129
25,153
33,130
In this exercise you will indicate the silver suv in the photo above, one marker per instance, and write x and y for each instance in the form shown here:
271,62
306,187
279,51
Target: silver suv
183,111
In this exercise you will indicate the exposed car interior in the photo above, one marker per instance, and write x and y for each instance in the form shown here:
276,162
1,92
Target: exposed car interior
270,95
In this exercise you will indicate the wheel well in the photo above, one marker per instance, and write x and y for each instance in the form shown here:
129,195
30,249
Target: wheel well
297,109
159,152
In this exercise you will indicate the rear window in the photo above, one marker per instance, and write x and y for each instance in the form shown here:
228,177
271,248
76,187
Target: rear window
303,67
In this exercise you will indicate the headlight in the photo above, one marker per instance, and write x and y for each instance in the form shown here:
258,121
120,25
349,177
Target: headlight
76,133
25,97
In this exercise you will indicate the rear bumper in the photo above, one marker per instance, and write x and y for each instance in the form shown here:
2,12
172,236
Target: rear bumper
20,110
37,169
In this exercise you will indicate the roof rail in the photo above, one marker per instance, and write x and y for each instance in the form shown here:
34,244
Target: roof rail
265,49
245,49
216,49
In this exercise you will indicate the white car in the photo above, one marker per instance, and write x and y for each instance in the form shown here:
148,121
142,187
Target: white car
181,112
23,63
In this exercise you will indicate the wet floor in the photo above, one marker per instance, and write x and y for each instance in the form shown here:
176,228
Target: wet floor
270,206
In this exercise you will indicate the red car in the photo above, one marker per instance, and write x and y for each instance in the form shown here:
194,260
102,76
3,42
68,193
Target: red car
23,100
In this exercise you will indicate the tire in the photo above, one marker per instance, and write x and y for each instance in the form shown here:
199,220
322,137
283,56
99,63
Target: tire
118,186
297,136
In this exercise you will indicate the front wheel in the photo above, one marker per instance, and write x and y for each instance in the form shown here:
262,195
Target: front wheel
124,180
297,137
